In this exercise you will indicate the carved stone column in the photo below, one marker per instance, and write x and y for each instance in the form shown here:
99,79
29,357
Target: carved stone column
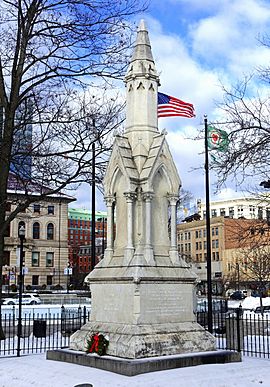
173,249
110,224
129,250
173,201
148,250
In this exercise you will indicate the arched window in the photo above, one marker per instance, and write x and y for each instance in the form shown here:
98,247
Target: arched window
21,224
36,230
50,231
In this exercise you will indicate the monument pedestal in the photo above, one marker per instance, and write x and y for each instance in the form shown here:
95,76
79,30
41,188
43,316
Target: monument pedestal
146,315
141,341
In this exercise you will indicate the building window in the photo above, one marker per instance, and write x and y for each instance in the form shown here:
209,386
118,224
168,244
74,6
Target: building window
49,280
49,259
240,210
214,231
198,233
231,212
50,231
35,279
51,210
213,213
35,258
37,208
222,212
260,213
36,230
252,211
215,243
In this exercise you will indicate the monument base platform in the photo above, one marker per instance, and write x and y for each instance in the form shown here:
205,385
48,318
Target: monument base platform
131,341
132,367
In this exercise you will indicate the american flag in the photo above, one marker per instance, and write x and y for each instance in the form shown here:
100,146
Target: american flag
170,106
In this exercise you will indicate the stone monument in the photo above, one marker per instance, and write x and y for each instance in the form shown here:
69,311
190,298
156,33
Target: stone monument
142,291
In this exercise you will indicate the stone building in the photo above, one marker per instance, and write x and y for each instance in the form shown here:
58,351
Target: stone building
46,241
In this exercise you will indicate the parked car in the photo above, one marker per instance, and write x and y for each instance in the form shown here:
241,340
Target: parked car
237,295
27,299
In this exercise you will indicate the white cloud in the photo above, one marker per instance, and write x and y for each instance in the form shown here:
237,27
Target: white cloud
229,38
180,74
221,44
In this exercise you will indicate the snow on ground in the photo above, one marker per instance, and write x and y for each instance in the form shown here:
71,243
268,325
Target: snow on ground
35,370
248,302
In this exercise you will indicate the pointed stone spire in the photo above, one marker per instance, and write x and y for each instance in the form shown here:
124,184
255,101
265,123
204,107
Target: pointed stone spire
142,84
142,50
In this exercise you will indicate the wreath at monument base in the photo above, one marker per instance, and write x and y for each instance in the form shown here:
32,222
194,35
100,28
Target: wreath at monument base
98,343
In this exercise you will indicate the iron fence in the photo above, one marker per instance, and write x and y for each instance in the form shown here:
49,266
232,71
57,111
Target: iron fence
240,330
41,332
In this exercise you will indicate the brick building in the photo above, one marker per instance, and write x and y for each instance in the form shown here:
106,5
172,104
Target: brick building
228,238
79,237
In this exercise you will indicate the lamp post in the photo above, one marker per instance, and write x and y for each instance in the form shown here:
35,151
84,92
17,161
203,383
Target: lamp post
22,238
238,276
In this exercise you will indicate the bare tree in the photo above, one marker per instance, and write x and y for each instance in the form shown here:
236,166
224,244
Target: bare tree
252,261
255,267
51,51
183,204
247,121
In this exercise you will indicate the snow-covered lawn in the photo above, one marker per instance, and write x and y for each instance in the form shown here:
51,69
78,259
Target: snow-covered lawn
36,371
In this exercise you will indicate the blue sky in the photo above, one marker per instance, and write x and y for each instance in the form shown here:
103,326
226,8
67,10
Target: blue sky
197,45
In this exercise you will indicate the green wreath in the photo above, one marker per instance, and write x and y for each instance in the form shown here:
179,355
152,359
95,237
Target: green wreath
98,343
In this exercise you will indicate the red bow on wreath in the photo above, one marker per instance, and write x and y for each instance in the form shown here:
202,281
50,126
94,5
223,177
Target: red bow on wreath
98,343
94,346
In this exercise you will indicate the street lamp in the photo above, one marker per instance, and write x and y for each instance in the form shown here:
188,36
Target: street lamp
238,276
22,238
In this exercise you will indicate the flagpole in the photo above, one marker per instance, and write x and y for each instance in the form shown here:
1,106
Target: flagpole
93,216
208,235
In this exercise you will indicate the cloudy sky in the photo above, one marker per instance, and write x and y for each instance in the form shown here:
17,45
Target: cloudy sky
197,46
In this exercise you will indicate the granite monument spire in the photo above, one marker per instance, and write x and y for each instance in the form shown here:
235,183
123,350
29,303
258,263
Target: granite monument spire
142,291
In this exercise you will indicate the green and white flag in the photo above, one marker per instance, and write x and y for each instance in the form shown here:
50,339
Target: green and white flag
217,139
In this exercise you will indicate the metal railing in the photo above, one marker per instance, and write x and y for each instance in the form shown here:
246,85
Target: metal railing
240,330
41,332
